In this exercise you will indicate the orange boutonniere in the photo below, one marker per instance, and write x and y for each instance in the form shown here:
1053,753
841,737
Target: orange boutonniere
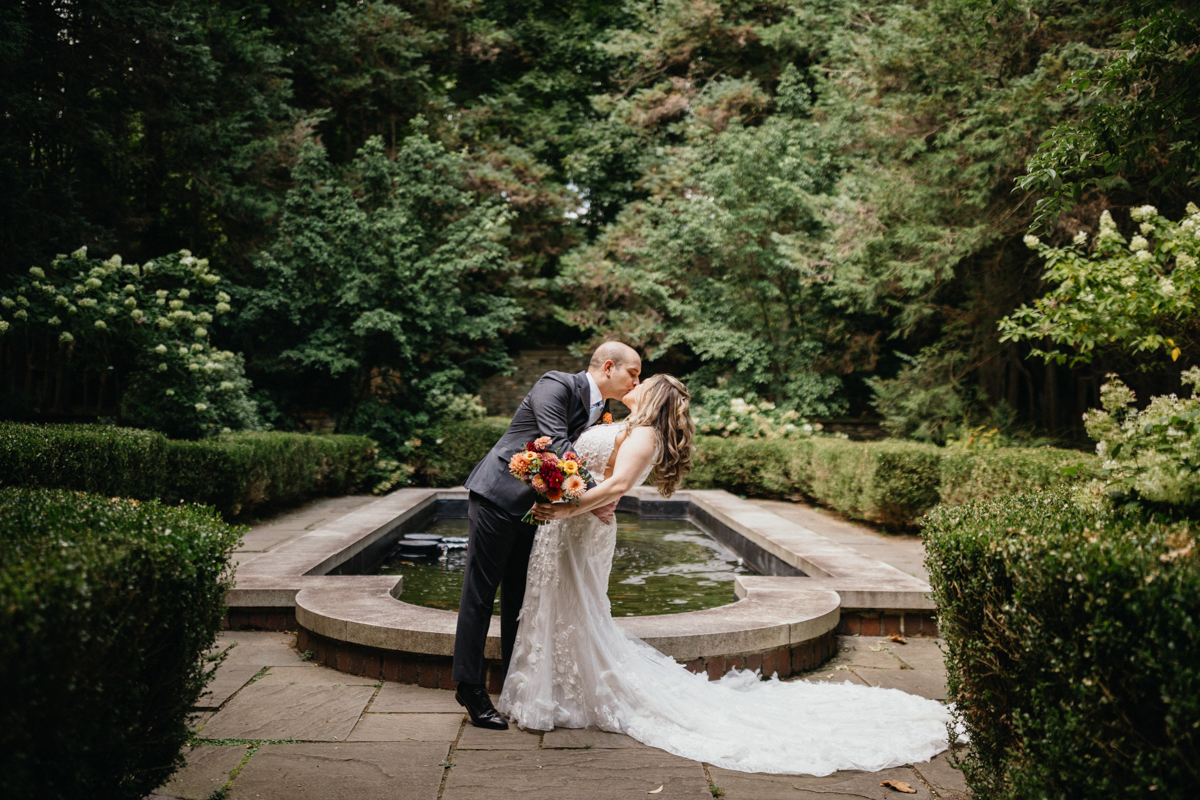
607,419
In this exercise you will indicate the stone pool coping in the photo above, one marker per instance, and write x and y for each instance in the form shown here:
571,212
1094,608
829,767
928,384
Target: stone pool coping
814,586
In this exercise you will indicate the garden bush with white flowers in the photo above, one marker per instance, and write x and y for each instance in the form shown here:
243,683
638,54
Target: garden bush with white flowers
749,417
1128,296
150,323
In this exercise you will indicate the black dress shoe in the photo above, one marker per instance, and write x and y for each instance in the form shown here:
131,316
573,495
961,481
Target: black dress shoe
475,700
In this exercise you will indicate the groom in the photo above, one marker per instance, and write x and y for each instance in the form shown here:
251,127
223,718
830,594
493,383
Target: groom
560,406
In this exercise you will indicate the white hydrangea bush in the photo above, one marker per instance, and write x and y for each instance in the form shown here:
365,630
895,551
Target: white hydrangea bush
1136,296
154,316
749,417
1152,454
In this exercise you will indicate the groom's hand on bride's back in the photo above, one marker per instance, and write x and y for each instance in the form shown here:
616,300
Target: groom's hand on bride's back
605,513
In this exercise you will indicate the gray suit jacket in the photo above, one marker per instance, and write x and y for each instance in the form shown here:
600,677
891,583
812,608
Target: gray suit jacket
557,406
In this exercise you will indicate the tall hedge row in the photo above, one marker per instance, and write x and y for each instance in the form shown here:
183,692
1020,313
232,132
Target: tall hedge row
107,607
1073,646
234,472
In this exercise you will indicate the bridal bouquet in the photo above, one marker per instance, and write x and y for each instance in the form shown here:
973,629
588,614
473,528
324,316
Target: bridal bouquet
554,477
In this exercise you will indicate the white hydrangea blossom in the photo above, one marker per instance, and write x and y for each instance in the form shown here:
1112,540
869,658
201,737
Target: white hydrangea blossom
22,302
194,367
226,386
183,351
72,309
79,288
37,272
61,301
160,349
80,254
200,332
3,326
222,308
100,325
88,302
1080,238
7,302
1032,241
170,392
211,279
1166,287
1139,244
66,338
1184,261
196,348
201,406
54,321
1146,228
1145,255
161,294
131,302
1108,229
110,310
164,322
162,367
1143,212
204,317
20,315
223,298
136,314
176,304
185,294
130,288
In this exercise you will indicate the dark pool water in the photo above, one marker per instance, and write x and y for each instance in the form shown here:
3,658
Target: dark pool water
659,567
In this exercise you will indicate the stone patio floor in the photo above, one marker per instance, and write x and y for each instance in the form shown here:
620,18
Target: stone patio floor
275,727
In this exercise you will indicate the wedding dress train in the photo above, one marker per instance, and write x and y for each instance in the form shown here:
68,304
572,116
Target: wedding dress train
574,667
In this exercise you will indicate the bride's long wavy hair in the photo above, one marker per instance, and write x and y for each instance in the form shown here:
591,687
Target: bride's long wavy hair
666,408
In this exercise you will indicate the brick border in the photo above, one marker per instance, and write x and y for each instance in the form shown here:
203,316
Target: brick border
433,672
882,623
259,619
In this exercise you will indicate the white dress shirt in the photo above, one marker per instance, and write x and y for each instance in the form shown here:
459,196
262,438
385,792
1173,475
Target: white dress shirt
597,400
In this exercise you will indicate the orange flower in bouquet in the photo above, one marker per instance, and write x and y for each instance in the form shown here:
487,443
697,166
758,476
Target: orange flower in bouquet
553,477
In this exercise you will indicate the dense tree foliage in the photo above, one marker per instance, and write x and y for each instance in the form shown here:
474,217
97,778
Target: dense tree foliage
812,201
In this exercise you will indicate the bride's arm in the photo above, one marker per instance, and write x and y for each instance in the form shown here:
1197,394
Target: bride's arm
636,453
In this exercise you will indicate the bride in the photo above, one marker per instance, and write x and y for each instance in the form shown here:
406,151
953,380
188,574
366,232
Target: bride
574,667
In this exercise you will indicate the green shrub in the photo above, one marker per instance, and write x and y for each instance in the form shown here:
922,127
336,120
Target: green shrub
762,467
106,610
981,474
236,472
892,483
233,472
449,460
1073,646
116,462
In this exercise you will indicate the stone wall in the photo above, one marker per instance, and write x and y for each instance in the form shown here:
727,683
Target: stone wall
501,394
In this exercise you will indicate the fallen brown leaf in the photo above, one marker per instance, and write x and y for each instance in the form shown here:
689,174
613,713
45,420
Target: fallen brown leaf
898,786
895,637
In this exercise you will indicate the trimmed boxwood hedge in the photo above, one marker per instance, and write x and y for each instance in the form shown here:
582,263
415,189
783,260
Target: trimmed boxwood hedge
892,483
107,607
234,472
1073,646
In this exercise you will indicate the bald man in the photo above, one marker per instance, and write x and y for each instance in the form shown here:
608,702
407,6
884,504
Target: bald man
561,406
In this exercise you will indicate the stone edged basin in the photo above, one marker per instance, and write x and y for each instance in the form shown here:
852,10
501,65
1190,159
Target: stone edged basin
784,619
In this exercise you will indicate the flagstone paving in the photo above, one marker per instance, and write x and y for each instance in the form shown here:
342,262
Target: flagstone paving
276,727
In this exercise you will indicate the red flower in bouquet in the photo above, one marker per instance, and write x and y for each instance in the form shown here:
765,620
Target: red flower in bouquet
552,476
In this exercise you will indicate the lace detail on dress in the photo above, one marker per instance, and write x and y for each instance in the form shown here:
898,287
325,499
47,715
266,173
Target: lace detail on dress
574,667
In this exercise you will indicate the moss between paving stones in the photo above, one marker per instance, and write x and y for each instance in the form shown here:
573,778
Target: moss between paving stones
234,472
107,608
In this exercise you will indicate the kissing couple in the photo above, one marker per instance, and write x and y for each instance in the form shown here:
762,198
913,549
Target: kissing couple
568,664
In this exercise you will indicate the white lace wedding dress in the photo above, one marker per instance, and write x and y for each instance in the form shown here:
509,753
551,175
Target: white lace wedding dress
574,667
